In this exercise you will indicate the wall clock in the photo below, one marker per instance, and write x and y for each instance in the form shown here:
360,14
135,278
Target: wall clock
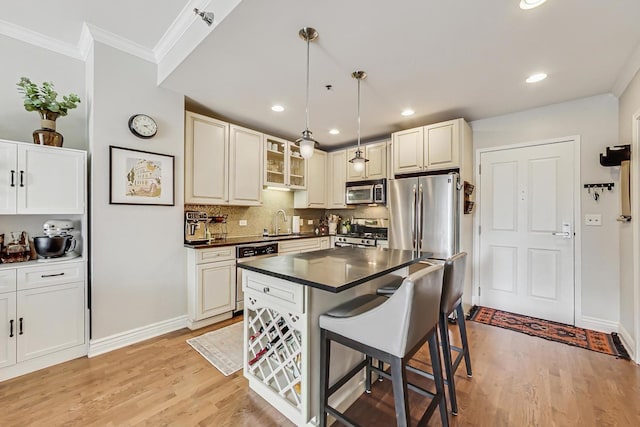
143,126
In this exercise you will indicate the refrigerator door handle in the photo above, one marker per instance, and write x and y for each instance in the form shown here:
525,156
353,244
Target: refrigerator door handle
420,222
413,219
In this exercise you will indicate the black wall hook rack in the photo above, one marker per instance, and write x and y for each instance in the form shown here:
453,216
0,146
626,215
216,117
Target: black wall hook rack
607,185
615,155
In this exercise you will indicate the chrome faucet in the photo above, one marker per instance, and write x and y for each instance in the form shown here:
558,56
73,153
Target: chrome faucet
284,216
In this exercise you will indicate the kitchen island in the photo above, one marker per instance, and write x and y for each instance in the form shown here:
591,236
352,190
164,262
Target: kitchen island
284,297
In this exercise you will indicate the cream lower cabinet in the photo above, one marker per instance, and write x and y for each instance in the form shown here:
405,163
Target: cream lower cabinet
223,163
43,319
315,196
211,282
336,179
303,245
27,185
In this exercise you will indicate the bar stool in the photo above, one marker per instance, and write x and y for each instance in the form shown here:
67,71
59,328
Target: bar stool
391,330
452,288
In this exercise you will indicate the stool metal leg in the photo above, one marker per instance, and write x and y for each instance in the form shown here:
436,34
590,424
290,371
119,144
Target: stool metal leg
325,358
446,354
399,381
463,336
367,383
434,351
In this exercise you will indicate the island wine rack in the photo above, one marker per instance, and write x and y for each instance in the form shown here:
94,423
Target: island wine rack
275,352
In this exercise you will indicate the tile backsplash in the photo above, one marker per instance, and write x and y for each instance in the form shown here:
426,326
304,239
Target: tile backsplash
261,217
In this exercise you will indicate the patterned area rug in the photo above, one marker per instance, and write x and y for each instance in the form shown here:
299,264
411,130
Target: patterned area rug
567,334
222,348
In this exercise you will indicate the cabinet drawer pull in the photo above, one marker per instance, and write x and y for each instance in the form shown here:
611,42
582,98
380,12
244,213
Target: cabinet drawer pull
51,275
265,290
21,178
11,328
20,332
13,178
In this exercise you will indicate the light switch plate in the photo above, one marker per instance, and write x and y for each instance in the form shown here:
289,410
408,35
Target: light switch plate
593,219
309,222
242,223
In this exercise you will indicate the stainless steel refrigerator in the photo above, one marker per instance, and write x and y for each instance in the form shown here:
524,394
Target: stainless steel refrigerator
424,214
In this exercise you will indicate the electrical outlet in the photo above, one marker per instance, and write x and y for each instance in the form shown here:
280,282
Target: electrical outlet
242,223
309,222
593,219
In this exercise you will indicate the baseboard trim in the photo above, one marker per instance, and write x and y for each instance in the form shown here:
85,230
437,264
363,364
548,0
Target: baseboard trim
123,339
628,342
596,324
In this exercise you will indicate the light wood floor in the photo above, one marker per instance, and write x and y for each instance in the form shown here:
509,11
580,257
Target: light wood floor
518,381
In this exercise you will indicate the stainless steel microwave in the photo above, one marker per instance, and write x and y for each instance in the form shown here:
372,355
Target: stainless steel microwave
366,192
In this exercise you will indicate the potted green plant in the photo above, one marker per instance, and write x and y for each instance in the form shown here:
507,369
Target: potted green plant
44,100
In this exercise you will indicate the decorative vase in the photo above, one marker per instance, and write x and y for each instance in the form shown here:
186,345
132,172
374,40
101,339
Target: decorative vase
48,135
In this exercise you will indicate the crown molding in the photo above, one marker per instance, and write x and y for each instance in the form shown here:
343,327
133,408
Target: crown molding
186,33
627,73
40,40
120,43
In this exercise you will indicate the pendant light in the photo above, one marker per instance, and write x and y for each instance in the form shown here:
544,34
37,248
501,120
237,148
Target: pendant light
307,144
358,161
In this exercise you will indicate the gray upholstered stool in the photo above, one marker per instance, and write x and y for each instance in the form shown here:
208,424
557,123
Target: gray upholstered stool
391,330
452,288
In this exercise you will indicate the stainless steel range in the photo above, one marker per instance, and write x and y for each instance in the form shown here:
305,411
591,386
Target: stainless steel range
365,233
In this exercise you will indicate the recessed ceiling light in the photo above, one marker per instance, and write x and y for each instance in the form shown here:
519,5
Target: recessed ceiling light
537,77
334,131
530,4
278,108
408,112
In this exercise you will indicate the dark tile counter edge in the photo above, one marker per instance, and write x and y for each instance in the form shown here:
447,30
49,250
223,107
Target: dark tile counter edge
331,288
232,241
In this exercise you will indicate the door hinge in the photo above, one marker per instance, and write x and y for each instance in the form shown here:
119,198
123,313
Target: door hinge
479,291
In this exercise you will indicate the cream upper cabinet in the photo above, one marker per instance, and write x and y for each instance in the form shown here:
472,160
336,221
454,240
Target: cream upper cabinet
442,145
408,146
375,168
284,166
206,160
245,166
433,147
41,180
337,171
315,196
223,162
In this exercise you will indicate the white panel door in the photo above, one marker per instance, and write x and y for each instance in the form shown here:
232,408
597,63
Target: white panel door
8,329
526,239
50,180
50,319
8,177
245,166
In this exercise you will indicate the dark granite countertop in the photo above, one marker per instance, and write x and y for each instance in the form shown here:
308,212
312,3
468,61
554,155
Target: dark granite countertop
232,241
335,270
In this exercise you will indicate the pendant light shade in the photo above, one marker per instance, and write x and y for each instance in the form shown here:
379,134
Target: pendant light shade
307,144
358,160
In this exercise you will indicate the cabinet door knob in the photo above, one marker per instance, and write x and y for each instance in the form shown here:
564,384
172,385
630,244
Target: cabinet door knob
265,290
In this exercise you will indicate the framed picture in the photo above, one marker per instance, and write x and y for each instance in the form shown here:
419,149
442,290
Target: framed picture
140,177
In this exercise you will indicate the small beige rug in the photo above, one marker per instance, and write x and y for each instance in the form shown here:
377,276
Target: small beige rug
222,348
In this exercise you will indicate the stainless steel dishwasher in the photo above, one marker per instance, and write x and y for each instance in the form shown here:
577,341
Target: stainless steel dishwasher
246,253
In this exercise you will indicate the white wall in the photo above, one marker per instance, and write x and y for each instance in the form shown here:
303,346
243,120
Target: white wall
137,258
22,59
629,106
595,119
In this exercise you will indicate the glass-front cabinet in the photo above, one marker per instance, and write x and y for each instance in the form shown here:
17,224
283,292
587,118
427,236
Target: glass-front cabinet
284,165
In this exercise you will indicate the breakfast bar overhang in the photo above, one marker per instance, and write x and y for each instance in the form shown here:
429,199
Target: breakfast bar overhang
284,297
